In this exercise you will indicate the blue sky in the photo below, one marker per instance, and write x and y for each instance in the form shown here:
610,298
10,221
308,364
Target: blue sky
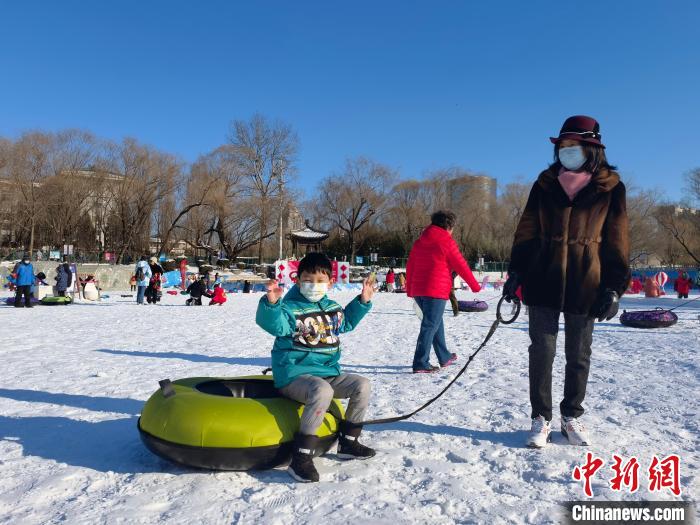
416,85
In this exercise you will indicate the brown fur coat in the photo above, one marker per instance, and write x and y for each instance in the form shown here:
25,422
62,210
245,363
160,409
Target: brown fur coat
568,252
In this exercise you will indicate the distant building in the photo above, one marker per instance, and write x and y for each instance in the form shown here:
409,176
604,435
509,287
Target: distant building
471,188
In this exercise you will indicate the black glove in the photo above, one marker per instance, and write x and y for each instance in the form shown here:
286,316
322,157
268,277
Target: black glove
511,286
607,306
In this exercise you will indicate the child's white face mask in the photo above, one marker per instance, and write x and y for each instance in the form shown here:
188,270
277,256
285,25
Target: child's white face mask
314,292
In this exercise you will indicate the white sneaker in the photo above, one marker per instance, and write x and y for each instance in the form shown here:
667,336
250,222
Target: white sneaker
572,428
540,433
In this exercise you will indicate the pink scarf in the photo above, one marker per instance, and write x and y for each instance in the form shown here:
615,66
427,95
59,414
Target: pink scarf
573,181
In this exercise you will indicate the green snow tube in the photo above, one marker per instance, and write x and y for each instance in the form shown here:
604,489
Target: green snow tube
53,301
238,423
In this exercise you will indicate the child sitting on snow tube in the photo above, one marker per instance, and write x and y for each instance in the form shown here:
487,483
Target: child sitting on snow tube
306,355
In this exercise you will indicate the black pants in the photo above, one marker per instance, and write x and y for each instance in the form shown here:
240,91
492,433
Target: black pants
27,292
194,301
682,295
152,294
578,332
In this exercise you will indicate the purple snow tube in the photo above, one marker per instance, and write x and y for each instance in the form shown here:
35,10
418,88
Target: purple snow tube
657,318
473,306
11,300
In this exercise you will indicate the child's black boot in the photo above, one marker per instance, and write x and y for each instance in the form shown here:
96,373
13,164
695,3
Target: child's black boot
302,466
348,445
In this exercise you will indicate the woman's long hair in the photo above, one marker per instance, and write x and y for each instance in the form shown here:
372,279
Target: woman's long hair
595,159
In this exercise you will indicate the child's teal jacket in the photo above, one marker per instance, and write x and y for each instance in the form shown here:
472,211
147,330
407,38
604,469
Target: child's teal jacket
307,334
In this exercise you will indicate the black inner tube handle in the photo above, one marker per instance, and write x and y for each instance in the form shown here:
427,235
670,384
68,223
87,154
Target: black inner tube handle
517,303
167,388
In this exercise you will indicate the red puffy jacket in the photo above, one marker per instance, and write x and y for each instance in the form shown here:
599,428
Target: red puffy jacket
433,258
219,296
682,286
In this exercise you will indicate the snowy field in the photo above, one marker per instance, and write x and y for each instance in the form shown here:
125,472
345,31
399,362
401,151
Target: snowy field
75,378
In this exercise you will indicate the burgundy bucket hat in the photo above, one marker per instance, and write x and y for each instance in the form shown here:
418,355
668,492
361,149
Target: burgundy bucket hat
581,128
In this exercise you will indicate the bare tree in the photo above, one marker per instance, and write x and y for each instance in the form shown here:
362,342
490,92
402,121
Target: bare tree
683,225
643,228
408,211
146,176
506,215
265,153
29,166
356,196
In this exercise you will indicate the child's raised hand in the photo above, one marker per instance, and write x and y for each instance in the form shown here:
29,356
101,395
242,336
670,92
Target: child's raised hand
367,290
274,292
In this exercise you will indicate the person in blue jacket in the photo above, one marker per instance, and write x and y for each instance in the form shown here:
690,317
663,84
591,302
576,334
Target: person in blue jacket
306,355
24,280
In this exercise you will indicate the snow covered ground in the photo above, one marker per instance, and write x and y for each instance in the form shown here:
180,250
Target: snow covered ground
75,378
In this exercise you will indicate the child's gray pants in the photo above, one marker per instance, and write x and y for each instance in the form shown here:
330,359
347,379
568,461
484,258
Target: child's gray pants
318,392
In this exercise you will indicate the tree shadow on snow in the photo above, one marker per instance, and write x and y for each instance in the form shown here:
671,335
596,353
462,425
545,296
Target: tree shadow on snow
98,404
196,358
510,439
105,446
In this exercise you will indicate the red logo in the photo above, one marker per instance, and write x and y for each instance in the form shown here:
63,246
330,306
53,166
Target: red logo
665,474
586,472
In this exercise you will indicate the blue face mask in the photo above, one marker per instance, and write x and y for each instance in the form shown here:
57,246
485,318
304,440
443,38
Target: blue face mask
572,158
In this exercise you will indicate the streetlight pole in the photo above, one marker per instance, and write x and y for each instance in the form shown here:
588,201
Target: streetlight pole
280,174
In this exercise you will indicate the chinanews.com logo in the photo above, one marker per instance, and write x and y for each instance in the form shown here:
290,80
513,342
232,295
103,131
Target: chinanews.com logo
630,512
661,476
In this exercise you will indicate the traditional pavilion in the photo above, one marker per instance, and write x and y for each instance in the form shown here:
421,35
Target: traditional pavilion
308,238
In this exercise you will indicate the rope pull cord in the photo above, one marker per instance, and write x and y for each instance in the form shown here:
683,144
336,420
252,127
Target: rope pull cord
492,330
683,304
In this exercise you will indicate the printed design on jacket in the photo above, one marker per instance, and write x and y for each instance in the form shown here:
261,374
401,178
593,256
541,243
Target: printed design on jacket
318,331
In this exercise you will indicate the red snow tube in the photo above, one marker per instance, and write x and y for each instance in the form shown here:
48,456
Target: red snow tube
473,306
657,318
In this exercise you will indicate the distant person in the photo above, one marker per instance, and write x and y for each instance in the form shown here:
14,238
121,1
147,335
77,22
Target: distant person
24,280
153,291
453,297
651,288
196,289
64,278
143,278
401,282
570,254
246,286
219,297
132,283
306,359
390,280
433,258
636,286
682,285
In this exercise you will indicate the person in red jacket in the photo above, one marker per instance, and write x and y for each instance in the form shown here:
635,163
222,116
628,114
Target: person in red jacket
636,285
219,296
390,280
682,285
433,258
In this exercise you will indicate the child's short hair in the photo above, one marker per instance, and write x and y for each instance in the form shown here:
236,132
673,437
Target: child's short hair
444,219
315,262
